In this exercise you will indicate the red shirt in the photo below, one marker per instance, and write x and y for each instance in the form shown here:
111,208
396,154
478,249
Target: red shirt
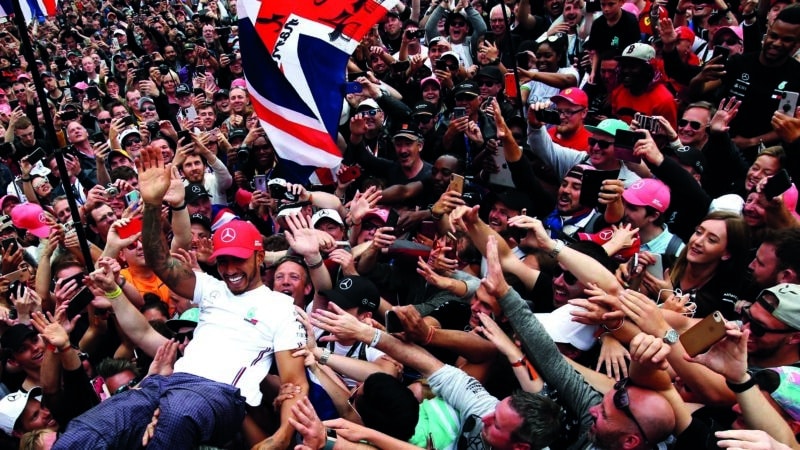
578,141
656,102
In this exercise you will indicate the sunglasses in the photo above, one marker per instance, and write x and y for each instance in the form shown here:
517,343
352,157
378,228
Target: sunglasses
465,97
602,144
692,123
149,108
569,278
104,120
181,337
622,402
19,91
759,330
458,24
729,41
422,119
370,112
486,83
131,141
134,245
126,387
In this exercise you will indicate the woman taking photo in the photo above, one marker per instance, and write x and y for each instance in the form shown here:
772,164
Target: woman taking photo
552,73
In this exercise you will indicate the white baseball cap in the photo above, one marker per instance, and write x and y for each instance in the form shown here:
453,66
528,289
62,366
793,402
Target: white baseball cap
11,407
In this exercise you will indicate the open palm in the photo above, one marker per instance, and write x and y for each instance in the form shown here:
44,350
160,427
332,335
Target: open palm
154,176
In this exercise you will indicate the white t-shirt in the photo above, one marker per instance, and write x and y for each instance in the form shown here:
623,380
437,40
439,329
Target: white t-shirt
237,335
540,92
350,351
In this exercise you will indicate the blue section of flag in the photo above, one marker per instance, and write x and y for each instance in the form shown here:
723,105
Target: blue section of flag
323,65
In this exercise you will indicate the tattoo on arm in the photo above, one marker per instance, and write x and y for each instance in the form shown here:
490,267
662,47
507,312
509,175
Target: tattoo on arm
156,253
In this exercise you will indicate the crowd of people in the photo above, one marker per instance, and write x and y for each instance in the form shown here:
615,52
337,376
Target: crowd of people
565,224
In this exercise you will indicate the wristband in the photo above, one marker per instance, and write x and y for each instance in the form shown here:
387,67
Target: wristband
520,362
429,337
557,249
434,216
178,208
326,354
738,388
621,323
314,265
376,338
114,294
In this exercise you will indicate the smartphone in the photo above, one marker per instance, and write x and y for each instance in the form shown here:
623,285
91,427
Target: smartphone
401,66
93,93
550,116
36,156
440,64
353,76
186,136
788,104
353,87
97,137
634,275
510,83
18,275
131,198
428,229
260,183
8,242
191,113
199,70
127,121
523,58
777,185
79,302
452,242
456,183
350,174
657,268
724,52
134,226
393,324
624,141
459,112
704,334
69,115
592,182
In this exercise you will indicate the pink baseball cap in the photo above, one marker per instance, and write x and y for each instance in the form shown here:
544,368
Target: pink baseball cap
239,83
237,238
31,217
573,95
790,200
81,85
735,30
648,192
381,214
430,79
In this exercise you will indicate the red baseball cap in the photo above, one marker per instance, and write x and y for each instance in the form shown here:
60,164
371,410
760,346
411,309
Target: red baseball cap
685,34
237,238
573,95
31,217
605,235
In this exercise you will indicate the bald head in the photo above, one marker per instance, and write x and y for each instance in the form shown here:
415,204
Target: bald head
653,412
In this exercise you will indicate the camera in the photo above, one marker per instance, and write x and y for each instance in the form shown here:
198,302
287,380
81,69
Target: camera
278,191
411,34
145,61
163,69
152,128
243,155
111,191
231,57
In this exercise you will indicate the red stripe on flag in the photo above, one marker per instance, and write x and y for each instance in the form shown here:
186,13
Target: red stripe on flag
315,138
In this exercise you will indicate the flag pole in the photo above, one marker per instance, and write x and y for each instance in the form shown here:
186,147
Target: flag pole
27,51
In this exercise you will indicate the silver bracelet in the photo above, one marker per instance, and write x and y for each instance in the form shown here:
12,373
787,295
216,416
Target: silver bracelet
376,338
557,249
326,354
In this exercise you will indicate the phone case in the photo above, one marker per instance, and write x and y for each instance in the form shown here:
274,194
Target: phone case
704,334
456,184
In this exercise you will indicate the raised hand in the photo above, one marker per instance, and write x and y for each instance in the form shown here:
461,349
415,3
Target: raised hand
154,176
726,112
494,281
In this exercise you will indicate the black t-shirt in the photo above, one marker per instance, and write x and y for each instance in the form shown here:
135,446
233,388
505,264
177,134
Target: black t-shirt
756,87
624,33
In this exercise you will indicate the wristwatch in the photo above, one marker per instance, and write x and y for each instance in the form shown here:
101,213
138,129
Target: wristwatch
671,336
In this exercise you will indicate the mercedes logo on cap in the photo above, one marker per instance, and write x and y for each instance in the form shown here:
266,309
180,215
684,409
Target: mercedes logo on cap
196,189
346,284
228,235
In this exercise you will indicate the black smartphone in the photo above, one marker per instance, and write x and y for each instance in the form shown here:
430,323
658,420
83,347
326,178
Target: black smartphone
7,243
777,184
459,112
393,323
69,115
36,156
440,64
199,70
127,121
550,116
624,141
725,52
97,137
79,302
93,93
523,58
592,182
401,66
353,76
186,135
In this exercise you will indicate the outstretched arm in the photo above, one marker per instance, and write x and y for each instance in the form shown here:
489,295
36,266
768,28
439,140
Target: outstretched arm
154,180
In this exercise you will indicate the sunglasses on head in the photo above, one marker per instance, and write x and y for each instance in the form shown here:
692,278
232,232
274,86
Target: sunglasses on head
622,401
569,278
692,123
602,144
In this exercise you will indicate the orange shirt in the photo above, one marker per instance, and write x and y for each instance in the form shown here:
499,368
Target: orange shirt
152,285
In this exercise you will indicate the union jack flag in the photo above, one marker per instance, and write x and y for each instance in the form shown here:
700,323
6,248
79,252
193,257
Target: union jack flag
31,9
294,54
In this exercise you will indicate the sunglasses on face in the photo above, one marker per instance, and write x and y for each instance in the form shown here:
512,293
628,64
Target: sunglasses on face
759,330
149,108
622,402
370,112
692,123
602,144
730,41
423,119
464,98
104,120
126,387
486,83
133,246
569,278
458,24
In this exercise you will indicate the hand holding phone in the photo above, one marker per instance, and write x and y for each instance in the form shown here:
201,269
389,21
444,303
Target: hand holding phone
393,323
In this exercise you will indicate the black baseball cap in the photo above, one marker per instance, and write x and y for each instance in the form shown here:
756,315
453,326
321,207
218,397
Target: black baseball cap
195,191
